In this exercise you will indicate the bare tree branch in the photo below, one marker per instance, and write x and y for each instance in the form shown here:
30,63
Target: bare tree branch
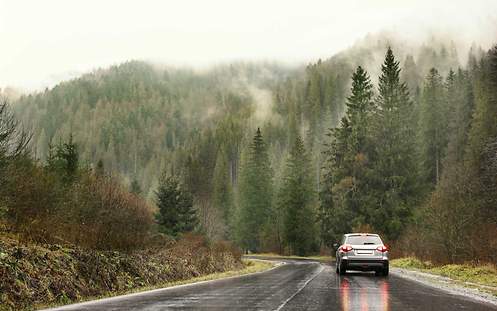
14,140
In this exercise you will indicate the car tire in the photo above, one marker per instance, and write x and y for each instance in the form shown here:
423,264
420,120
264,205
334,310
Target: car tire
336,270
385,270
343,269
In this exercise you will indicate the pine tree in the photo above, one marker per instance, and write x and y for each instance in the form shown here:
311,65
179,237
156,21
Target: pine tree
460,100
394,177
255,192
64,159
297,199
482,137
433,126
411,75
176,213
223,192
484,125
345,188
359,109
69,153
314,101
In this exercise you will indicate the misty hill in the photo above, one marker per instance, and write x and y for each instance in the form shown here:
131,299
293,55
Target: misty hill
139,118
392,145
136,117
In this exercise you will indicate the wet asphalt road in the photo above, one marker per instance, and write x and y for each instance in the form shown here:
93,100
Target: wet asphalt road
296,285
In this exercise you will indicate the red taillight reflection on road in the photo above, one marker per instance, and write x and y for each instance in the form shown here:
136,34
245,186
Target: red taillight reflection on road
374,296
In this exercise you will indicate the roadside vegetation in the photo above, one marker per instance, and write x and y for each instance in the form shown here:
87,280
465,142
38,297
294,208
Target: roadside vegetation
466,274
32,275
134,158
69,232
376,138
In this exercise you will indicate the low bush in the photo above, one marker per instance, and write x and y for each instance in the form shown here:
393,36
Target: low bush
101,214
94,212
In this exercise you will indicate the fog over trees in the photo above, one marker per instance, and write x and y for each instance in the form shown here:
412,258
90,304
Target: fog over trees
385,137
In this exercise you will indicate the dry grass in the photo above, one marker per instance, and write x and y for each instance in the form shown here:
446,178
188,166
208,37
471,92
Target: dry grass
465,274
249,267
33,275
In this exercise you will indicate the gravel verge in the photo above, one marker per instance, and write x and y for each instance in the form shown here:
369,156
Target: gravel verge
475,291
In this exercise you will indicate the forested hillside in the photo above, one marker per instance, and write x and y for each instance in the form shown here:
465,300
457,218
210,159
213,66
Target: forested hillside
400,141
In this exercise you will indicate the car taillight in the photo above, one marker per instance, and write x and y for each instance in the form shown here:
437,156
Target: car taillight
345,248
382,249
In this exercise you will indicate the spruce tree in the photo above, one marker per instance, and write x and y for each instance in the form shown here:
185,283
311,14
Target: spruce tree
460,100
64,159
484,125
314,102
255,191
411,75
223,198
297,199
433,126
359,109
345,191
176,213
482,138
394,168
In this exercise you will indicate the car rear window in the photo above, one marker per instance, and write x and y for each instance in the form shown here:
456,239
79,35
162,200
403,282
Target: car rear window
363,240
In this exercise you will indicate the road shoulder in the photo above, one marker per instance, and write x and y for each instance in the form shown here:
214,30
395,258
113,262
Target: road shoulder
449,285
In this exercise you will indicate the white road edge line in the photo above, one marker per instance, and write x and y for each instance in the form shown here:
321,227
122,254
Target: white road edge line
321,268
125,296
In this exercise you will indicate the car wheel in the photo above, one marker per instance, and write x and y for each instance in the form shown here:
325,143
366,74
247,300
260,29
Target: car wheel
343,269
378,272
385,270
336,269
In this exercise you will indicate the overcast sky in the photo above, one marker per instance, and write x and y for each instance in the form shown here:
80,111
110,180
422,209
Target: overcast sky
43,42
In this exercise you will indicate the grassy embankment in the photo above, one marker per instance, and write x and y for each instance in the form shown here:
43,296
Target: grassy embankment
481,277
34,276
249,266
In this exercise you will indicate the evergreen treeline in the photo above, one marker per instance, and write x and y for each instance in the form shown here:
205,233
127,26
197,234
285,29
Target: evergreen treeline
422,173
287,160
64,202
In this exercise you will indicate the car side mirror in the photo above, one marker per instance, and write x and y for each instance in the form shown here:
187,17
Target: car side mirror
335,246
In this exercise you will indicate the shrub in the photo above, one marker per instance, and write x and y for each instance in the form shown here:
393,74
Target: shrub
103,215
93,212
30,196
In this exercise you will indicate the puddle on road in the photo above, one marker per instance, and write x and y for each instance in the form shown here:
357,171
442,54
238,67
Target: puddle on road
364,298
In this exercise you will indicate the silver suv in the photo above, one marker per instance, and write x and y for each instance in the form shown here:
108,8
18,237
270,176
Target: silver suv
362,252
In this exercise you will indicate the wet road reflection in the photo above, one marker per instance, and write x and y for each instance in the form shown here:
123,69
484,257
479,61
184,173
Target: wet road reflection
297,285
363,291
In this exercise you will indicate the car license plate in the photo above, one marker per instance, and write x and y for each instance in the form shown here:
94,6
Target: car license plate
364,252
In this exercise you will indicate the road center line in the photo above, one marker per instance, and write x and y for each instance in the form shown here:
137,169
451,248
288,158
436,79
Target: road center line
321,268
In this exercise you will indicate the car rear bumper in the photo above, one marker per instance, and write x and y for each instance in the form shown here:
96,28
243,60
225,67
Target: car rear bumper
365,264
